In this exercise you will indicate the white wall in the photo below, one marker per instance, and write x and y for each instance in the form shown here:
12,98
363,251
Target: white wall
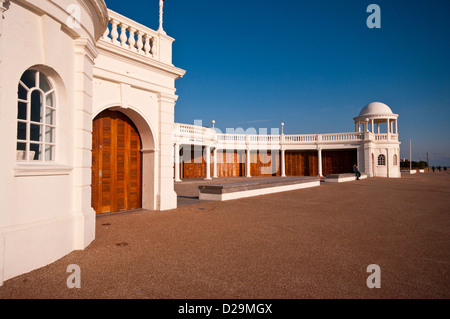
43,212
145,92
390,169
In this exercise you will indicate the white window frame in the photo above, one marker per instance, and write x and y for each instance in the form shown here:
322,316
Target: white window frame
28,155
381,160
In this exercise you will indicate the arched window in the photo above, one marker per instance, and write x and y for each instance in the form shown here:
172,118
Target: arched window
36,118
381,160
395,160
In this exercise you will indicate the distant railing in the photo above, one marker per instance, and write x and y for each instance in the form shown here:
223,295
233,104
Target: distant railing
128,34
342,137
300,138
186,132
264,138
231,138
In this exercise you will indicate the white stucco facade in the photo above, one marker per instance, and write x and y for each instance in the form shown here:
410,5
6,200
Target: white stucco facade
46,201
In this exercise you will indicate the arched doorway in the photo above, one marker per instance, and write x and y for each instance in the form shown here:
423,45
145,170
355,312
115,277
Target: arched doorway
116,163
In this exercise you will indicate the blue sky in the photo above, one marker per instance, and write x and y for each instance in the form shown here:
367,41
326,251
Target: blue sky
310,64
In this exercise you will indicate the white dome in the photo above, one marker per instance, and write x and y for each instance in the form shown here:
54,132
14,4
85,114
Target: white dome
376,108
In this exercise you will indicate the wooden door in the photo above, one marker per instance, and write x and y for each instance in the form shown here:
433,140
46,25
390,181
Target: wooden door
302,163
194,162
265,163
338,161
116,164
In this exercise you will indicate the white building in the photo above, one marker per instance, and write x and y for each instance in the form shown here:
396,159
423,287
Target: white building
87,116
374,147
68,67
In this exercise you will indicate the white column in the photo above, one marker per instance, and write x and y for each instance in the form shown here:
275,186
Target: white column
388,130
396,127
320,161
283,163
247,162
177,163
208,162
215,163
373,126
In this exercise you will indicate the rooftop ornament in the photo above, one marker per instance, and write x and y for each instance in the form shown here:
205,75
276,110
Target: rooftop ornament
161,8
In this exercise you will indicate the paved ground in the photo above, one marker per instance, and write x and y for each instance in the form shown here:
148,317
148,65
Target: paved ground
311,243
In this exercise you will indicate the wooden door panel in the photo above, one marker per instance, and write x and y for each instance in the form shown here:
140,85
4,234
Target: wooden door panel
116,164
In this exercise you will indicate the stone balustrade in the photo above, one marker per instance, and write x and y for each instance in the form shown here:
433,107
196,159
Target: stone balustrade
300,139
130,35
185,133
231,138
342,137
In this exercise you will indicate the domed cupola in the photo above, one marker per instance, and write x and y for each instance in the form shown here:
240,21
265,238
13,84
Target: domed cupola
373,116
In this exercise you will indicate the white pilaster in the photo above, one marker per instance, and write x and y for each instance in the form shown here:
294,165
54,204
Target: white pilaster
85,54
177,162
167,197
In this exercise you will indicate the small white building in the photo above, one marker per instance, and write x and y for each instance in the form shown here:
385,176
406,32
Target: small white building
87,113
87,99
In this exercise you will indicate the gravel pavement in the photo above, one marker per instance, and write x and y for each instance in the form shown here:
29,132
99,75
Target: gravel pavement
309,243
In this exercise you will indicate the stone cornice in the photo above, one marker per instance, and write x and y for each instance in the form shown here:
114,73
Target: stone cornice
102,13
138,59
376,117
86,48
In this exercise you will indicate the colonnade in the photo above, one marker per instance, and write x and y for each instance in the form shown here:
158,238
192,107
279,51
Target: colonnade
208,162
363,126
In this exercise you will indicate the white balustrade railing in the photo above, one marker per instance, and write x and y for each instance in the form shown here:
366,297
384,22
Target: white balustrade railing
300,138
234,138
381,137
128,34
265,138
194,131
187,131
342,137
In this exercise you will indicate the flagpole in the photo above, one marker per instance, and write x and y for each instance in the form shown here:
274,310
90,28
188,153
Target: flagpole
161,8
410,154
